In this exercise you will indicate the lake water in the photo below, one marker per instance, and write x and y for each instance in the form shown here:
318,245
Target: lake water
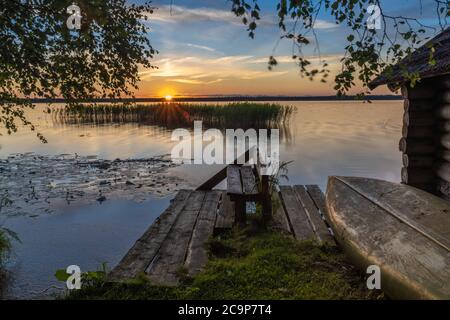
322,139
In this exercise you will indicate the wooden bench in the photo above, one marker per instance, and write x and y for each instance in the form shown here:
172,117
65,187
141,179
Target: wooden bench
243,185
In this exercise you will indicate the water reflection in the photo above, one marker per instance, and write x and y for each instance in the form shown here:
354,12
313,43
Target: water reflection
322,139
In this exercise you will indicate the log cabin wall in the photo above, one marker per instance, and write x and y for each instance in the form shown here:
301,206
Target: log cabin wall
425,141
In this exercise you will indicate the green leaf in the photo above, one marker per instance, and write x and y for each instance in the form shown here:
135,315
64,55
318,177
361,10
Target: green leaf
62,275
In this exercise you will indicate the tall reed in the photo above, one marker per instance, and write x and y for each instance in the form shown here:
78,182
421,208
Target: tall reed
172,115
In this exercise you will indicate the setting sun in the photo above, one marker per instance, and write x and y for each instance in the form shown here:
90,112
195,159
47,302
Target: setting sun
168,97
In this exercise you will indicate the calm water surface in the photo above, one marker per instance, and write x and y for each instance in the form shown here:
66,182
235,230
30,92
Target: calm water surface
323,139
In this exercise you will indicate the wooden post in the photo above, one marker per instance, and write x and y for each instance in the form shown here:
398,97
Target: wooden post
241,211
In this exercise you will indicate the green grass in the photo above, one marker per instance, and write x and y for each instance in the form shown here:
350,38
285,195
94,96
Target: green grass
251,264
231,115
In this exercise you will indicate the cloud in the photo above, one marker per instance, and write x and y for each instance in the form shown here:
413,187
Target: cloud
193,81
200,47
323,25
174,14
208,70
332,58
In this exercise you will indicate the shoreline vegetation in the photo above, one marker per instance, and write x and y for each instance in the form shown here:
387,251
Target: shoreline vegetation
248,263
173,115
239,98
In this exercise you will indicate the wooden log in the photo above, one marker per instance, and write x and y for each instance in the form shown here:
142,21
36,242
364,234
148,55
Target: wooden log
171,256
317,223
443,155
425,119
443,171
417,176
417,131
197,255
418,105
417,161
444,126
420,91
443,187
443,111
444,82
444,96
416,146
296,213
444,141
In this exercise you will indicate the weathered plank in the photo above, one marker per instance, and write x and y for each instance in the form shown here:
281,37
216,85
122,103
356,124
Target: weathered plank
197,255
318,197
234,185
248,180
171,256
280,221
315,218
297,216
225,215
144,250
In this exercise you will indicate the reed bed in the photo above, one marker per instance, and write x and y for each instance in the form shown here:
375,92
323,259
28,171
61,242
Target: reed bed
173,115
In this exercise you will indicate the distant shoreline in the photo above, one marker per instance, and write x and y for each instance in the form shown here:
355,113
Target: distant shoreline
228,98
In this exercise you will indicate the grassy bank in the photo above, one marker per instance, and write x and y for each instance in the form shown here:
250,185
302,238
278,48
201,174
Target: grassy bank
172,115
252,263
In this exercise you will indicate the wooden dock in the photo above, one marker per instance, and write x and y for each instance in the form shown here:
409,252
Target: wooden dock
178,237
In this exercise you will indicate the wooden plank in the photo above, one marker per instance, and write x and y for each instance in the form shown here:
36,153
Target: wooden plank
234,185
197,255
144,250
248,180
163,269
315,218
297,216
214,180
225,215
280,221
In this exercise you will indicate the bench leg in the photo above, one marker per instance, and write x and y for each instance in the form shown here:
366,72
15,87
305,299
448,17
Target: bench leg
240,211
266,199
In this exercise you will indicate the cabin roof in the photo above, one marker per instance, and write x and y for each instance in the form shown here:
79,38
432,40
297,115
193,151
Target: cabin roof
418,62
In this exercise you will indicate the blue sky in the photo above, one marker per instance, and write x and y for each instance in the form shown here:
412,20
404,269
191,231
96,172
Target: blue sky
205,50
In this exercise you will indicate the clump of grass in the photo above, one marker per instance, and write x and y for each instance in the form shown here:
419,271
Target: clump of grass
171,115
251,263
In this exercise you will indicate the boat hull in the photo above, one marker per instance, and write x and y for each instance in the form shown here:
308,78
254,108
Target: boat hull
402,230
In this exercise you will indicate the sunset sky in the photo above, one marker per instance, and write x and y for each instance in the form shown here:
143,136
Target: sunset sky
205,50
